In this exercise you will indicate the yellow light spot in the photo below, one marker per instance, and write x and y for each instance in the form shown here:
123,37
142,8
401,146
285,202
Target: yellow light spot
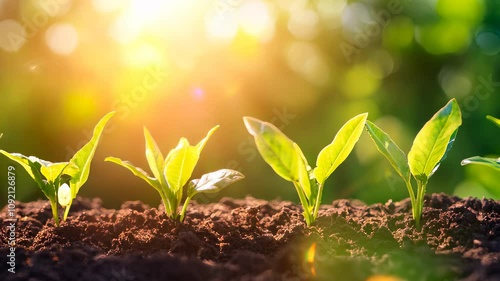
359,82
384,278
444,37
79,106
310,255
471,11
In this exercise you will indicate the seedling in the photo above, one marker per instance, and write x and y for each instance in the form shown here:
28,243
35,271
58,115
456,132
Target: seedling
429,149
288,161
170,174
490,162
61,181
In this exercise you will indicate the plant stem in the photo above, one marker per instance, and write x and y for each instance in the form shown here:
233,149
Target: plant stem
412,198
318,201
66,210
184,208
305,204
166,203
55,213
420,200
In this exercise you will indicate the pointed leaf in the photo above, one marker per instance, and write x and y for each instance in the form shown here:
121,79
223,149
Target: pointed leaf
203,142
431,142
335,153
490,162
153,155
180,165
136,171
20,159
83,158
215,181
494,120
389,149
275,147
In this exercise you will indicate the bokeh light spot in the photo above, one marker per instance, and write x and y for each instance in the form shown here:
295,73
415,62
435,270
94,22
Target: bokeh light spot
62,38
198,93
304,24
306,59
359,82
470,11
444,37
106,6
399,33
330,12
255,18
488,41
455,82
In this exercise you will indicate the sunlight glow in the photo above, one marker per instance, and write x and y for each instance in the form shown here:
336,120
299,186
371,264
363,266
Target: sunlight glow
256,19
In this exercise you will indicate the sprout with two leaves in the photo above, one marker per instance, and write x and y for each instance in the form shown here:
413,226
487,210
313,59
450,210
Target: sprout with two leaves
171,173
61,181
429,149
288,161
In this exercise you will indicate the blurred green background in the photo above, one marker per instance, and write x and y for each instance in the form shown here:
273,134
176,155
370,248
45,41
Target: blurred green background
180,67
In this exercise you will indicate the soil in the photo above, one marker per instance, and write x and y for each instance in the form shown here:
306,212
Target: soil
251,239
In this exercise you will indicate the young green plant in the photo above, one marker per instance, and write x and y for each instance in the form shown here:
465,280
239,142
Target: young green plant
429,149
171,173
288,161
490,162
61,181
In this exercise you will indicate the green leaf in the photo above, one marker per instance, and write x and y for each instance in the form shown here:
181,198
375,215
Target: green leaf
137,172
275,147
214,182
154,156
303,171
490,162
335,153
180,165
203,142
83,158
53,171
448,148
494,120
431,142
389,149
21,160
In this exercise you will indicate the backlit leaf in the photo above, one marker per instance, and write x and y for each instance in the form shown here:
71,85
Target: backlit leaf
432,141
275,147
215,181
335,153
389,149
490,162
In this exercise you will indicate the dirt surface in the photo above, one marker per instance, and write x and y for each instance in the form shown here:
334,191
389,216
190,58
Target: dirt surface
251,239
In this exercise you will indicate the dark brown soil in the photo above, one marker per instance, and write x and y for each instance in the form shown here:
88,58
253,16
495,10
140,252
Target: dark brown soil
253,239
